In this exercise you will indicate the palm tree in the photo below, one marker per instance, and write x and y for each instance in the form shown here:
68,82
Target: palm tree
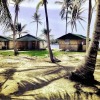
66,5
6,20
89,22
90,11
44,34
75,16
17,2
44,2
86,70
21,29
36,18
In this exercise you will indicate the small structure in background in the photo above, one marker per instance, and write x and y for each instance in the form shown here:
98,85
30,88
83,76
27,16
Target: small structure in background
72,42
6,43
29,42
26,42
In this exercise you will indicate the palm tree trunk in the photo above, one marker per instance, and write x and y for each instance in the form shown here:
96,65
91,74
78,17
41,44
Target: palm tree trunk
19,35
36,36
66,19
14,31
86,69
89,22
37,29
48,37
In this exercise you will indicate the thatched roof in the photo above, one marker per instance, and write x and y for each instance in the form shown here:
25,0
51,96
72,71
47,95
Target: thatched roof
72,36
2,39
29,37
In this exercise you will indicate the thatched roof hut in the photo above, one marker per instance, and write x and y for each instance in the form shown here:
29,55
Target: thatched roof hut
72,42
28,42
4,42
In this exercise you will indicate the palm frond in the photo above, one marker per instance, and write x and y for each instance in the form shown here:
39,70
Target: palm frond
58,2
40,22
25,32
5,16
62,13
17,1
23,27
81,24
77,10
38,5
36,18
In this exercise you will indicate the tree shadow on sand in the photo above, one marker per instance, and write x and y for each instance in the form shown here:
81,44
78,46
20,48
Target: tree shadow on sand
43,80
46,78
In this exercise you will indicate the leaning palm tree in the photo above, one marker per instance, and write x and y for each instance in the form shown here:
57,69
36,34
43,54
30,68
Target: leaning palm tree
16,3
6,20
36,18
90,12
86,69
89,22
66,5
44,2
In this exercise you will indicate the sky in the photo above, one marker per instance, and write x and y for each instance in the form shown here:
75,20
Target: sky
57,26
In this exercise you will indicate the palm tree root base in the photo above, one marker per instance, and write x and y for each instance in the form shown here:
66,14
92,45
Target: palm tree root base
87,79
3,97
56,60
16,53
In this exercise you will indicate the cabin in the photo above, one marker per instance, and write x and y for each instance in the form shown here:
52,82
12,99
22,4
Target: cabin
72,42
6,43
29,42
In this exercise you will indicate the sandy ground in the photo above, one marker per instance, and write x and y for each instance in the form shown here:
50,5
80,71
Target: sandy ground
33,78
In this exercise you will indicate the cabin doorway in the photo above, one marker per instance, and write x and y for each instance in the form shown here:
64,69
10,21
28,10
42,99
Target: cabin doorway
30,45
80,47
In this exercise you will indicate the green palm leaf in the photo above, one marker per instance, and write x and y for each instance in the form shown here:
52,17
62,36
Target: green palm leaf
38,5
5,16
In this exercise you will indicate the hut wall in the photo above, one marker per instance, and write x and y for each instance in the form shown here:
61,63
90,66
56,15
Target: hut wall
84,47
21,45
74,42
11,46
71,45
27,45
1,45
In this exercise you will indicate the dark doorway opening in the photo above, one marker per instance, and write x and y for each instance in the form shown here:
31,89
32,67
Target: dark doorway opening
80,47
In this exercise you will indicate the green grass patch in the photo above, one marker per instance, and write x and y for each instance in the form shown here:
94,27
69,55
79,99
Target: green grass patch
40,53
57,53
6,53
35,53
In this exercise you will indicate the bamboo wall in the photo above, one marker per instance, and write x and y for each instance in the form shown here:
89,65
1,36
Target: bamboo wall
11,46
71,45
24,45
1,45
21,45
